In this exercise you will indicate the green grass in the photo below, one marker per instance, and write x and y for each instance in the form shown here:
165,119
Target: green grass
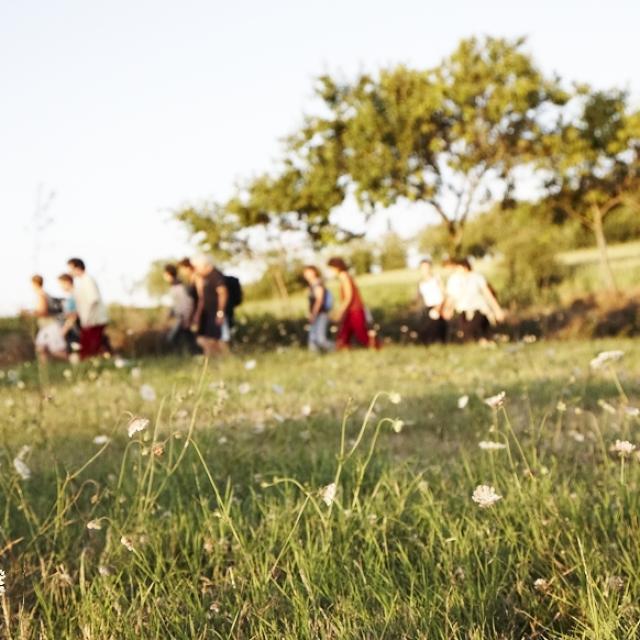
395,289
220,497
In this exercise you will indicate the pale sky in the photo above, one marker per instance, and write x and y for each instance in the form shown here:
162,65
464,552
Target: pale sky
128,109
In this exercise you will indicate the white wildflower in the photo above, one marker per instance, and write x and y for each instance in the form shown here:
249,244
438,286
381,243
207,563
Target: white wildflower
104,570
328,494
244,388
488,445
576,435
101,439
148,393
605,357
605,406
615,583
249,365
67,373
485,496
119,362
541,585
561,407
529,339
136,373
222,440
633,412
136,425
21,468
395,398
25,449
306,410
127,543
496,401
463,401
624,448
397,425
94,525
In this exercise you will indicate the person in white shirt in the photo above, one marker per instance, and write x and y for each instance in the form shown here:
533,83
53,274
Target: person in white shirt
91,310
431,291
470,299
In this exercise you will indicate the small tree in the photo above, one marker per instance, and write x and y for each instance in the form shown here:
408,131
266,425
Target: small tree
154,282
361,256
393,252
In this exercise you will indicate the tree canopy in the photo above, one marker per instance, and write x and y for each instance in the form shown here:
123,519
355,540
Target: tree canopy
452,137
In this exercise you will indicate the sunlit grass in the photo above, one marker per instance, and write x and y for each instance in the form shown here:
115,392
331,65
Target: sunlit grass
214,520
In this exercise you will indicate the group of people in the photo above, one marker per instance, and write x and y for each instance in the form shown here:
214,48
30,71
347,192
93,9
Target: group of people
73,326
461,306
203,303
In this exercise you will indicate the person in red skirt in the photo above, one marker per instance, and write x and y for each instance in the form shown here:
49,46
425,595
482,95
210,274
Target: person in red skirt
352,315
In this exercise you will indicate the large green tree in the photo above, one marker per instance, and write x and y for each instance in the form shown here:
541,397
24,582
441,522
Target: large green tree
450,137
594,165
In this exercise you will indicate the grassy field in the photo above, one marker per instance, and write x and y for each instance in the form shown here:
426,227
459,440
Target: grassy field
291,496
398,288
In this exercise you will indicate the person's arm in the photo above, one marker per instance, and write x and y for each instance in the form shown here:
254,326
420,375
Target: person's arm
319,292
494,305
69,322
447,306
91,293
223,296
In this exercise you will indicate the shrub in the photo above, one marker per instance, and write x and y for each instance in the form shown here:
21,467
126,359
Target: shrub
529,271
393,252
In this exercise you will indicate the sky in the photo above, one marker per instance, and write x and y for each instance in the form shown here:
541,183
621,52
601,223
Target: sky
114,114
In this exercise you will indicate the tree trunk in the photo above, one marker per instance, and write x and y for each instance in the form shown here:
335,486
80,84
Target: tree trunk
280,284
455,231
601,241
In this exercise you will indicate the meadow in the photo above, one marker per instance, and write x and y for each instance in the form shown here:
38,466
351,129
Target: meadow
282,495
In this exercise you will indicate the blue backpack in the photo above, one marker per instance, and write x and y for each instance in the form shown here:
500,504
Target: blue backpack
328,300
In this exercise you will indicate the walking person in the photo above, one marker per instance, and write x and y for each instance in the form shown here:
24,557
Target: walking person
70,325
470,300
352,315
182,309
49,341
187,274
91,310
209,317
320,303
431,291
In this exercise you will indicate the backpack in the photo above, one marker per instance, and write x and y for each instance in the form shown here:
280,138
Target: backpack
328,300
234,289
55,306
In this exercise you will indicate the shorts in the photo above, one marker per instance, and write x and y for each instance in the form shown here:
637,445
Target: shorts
51,338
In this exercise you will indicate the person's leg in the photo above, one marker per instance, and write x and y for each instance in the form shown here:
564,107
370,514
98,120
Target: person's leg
322,341
91,341
315,339
174,335
343,337
360,328
441,335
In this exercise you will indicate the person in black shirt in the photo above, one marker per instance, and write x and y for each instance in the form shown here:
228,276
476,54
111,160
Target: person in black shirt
209,316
